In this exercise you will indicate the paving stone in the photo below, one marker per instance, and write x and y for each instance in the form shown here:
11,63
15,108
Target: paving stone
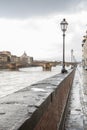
76,116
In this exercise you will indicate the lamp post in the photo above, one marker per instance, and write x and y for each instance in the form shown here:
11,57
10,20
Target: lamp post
64,25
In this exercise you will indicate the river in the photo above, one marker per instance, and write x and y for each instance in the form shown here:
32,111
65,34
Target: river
12,81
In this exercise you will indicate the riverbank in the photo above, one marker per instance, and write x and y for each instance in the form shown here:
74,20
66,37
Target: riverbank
26,107
12,81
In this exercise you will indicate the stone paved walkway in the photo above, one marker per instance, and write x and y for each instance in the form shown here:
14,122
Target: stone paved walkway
76,117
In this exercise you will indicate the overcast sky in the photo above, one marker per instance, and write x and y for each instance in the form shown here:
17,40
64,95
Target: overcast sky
33,26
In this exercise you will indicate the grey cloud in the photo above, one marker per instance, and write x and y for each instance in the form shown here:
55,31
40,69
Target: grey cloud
26,8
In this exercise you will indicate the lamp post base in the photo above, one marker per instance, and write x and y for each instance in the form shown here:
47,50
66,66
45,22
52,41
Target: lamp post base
63,70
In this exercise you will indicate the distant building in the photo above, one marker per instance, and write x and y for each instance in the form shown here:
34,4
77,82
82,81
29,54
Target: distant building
5,56
6,52
15,58
84,51
26,59
30,60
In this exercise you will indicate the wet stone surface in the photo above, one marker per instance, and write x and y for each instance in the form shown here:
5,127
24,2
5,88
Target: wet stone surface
76,116
19,106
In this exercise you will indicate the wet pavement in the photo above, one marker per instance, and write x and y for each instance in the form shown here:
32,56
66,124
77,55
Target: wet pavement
76,116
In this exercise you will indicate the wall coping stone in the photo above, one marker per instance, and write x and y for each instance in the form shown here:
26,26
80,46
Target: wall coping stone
20,106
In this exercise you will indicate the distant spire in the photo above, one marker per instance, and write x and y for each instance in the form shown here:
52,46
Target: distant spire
71,55
25,53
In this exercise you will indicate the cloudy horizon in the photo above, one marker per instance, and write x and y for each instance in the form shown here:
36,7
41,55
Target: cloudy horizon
34,27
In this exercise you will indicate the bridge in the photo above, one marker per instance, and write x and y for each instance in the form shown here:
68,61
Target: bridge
16,65
46,65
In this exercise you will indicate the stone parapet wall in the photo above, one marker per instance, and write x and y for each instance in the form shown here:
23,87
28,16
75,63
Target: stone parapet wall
54,113
40,106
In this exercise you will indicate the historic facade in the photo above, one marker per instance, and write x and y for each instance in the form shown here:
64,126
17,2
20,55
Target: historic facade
26,59
15,58
84,51
6,57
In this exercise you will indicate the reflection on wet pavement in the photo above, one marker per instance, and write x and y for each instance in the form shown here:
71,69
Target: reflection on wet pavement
76,112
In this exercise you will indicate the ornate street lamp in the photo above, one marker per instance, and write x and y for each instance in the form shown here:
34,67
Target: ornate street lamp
64,25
